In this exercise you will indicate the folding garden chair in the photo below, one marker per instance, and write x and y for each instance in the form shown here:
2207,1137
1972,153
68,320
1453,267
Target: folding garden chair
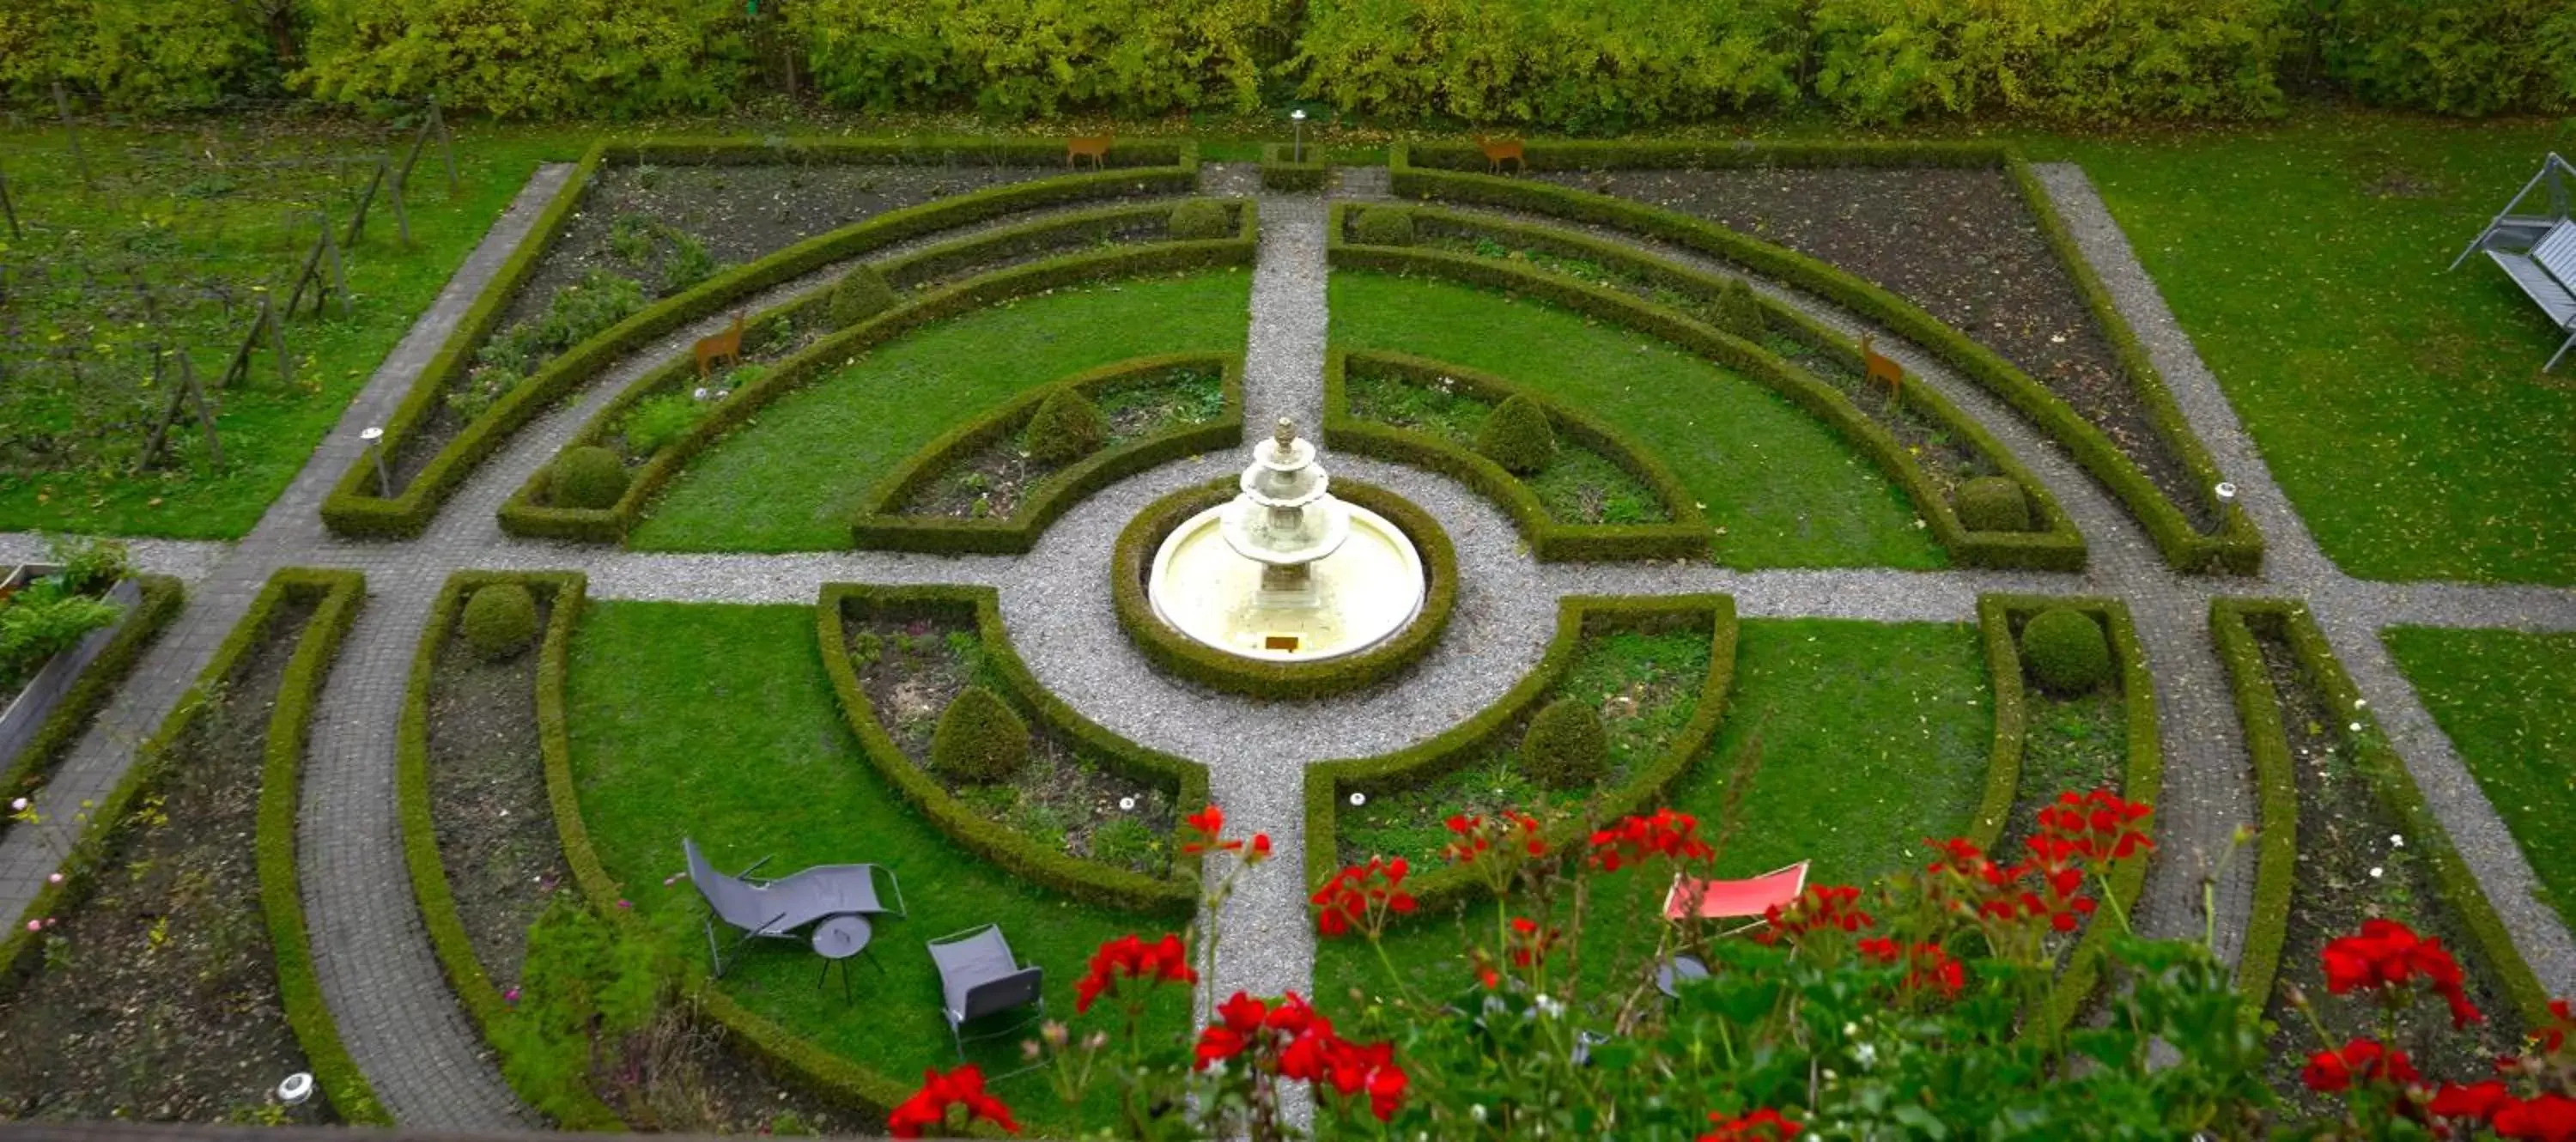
1747,900
979,977
779,908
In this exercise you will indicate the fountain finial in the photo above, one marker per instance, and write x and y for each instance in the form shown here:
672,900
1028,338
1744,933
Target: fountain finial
1285,434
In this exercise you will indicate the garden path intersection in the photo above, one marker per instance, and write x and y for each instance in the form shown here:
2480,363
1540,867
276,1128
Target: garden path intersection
426,1061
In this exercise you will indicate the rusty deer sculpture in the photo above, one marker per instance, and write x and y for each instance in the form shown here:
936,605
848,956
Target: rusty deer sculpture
1093,147
1881,368
725,346
1497,151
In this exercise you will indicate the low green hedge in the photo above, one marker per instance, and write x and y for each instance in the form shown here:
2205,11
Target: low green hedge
2235,547
1133,558
563,592
1278,173
354,509
2391,783
2012,725
162,598
1438,891
880,527
1687,537
1176,895
2055,545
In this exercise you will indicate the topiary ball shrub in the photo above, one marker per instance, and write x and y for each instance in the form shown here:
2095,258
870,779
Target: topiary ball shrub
500,621
980,739
587,477
861,294
1992,503
2066,651
1199,220
1386,226
1067,427
1517,436
1737,311
1566,748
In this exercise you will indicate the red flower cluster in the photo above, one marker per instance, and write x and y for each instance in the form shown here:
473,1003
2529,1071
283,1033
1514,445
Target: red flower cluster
1529,942
2361,1060
1928,966
1203,830
1969,882
1474,836
2389,955
2096,828
1667,834
928,1107
1294,1042
1764,1125
2553,1038
1362,896
1834,906
1128,957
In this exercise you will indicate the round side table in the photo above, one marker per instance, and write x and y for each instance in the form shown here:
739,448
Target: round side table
836,940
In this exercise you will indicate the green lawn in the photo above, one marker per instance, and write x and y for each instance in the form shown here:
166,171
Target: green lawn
718,723
2502,696
158,196
1787,491
2399,405
795,478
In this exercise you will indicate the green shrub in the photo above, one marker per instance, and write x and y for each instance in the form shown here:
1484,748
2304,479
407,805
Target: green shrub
528,58
1737,311
500,621
589,477
1068,426
1015,60
689,263
980,739
1517,436
1566,746
586,308
1992,503
861,294
89,566
1883,61
1126,843
656,421
152,56
2459,57
2066,651
1386,226
43,619
583,992
1198,220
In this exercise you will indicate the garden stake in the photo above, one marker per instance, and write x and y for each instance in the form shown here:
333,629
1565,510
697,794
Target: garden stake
63,107
358,222
8,208
402,217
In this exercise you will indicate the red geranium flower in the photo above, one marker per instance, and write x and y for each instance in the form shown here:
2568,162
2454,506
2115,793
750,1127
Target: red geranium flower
928,1107
1128,957
2480,1101
2360,1060
1818,908
1763,1125
2548,1118
1362,896
1199,830
2388,955
1667,834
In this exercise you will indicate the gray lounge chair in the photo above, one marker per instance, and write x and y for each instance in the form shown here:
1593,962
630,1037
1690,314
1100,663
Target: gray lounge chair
979,977
778,908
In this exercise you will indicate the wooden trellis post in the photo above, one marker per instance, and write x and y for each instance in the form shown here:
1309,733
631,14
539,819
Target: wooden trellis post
431,122
358,221
186,392
311,274
265,322
63,108
7,207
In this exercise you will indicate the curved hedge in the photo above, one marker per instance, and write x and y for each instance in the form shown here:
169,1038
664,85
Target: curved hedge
353,508
880,527
1441,171
1176,653
523,516
1438,890
162,598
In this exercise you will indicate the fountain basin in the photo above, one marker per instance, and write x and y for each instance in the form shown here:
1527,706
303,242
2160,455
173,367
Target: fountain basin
1369,588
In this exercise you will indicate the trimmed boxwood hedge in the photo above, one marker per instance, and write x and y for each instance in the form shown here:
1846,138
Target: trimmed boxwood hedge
299,989
162,598
1278,173
1439,891
1176,653
1687,536
1175,895
880,527
2277,793
523,515
353,508
2235,547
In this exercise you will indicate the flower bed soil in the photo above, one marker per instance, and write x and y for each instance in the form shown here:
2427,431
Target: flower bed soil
2352,868
912,669
992,483
1961,243
157,998
1579,486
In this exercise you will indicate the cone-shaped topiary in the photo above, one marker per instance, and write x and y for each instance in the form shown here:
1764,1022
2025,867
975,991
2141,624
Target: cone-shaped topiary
500,620
1386,226
587,477
1199,219
1993,503
1737,311
861,294
1566,748
1517,436
980,739
1067,427
2066,651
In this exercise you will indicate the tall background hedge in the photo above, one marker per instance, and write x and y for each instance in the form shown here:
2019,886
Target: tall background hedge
1580,66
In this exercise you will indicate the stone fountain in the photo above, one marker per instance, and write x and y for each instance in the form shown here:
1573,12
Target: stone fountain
1284,571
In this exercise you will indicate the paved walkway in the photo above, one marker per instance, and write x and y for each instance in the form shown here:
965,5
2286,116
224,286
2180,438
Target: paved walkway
428,1065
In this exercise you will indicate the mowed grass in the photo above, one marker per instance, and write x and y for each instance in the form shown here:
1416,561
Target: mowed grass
718,723
2502,696
1787,491
2400,405
794,478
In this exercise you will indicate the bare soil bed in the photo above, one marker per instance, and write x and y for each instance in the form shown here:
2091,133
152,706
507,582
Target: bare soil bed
992,483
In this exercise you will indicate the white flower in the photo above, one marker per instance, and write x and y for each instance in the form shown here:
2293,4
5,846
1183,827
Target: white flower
2376,871
2397,840
2356,727
699,393
1358,799
1549,1007
1477,1112
1867,1053
2361,703
1127,803
18,806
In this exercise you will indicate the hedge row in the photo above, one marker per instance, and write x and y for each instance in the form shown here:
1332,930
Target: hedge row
881,527
2012,727
2054,545
2235,547
562,591
842,347
1176,895
1279,172
1687,537
1176,653
1441,890
355,509
162,598
2232,623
